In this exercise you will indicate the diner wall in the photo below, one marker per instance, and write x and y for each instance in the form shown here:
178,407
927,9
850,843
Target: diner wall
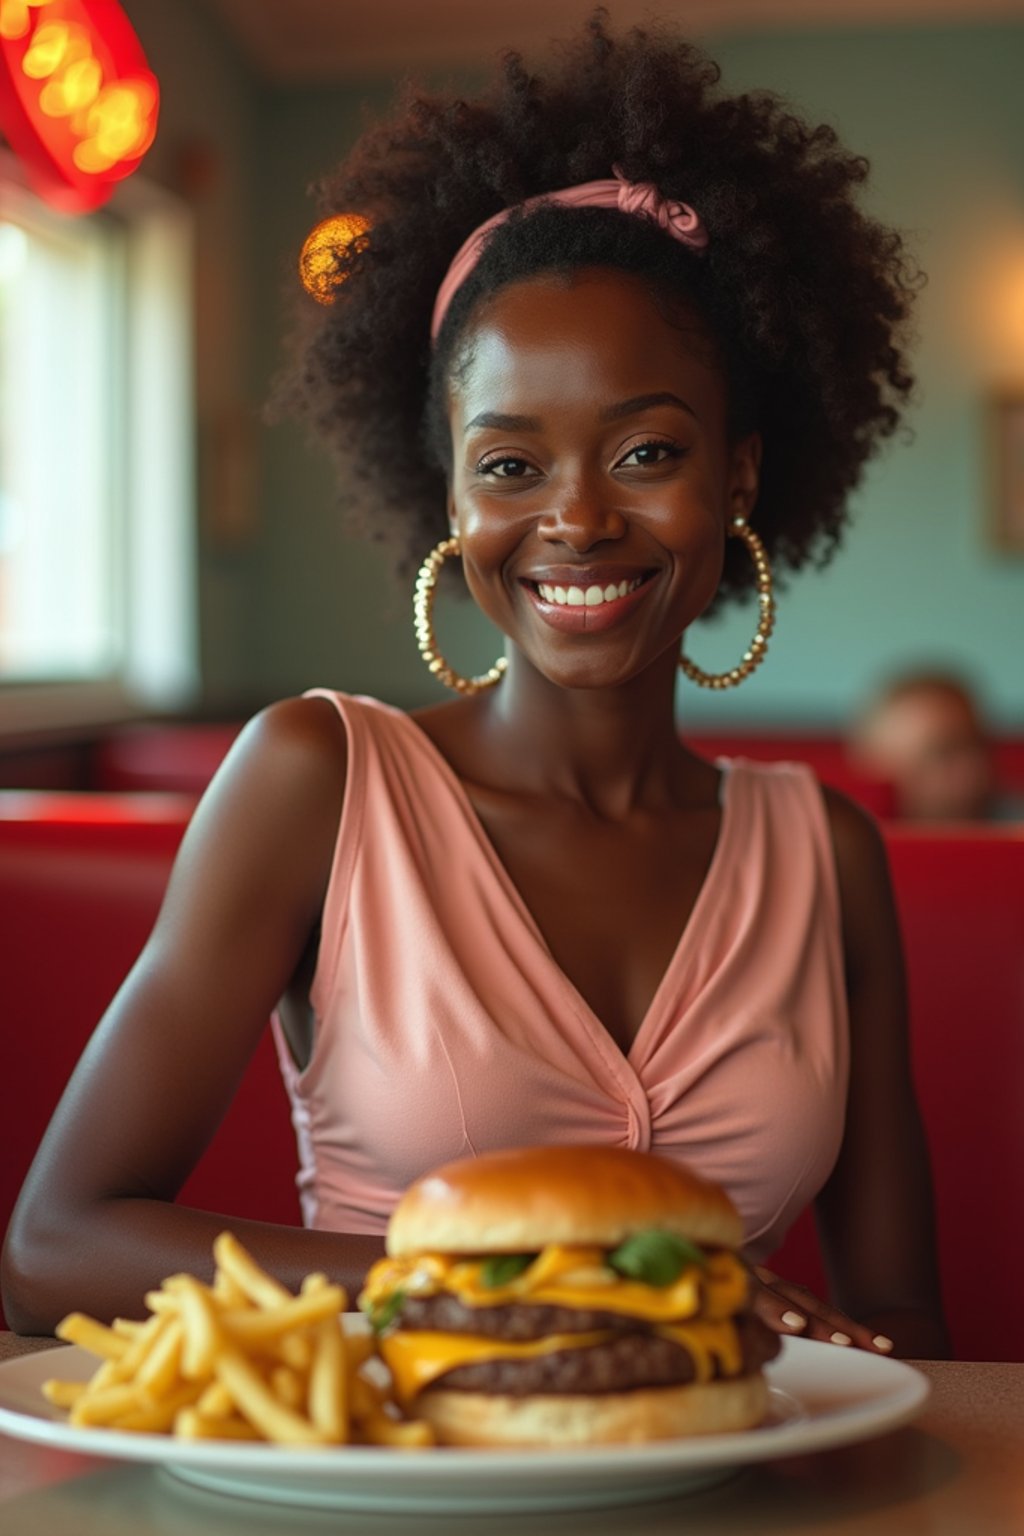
206,152
940,113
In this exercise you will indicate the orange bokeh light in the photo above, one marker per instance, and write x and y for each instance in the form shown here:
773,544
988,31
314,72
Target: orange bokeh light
318,259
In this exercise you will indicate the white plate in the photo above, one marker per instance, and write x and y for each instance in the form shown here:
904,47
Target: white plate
822,1395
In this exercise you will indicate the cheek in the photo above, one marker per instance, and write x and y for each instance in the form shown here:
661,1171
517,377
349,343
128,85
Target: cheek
698,543
487,542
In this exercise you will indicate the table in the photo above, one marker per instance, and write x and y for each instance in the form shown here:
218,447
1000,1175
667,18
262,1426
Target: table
957,1471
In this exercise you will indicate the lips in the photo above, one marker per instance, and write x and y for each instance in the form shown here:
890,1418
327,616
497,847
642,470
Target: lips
576,615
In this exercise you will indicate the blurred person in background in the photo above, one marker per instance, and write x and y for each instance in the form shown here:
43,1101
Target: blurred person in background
924,732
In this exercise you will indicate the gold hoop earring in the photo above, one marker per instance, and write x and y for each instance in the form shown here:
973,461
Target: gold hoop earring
426,640
755,653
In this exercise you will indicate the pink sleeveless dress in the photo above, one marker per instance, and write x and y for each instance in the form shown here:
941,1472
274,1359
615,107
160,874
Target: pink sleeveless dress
444,1026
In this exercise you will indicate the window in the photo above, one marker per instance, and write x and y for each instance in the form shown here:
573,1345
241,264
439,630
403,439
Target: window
97,605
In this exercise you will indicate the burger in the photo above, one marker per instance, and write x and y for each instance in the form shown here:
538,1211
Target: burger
567,1295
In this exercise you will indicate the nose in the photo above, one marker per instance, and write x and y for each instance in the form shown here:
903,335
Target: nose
580,515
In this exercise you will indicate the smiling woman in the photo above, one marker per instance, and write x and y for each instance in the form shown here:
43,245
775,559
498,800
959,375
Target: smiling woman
608,482
590,347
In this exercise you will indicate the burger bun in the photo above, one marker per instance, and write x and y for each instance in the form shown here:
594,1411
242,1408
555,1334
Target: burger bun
655,1413
521,1200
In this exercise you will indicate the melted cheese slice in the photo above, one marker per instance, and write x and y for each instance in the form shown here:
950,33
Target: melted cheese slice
417,1359
564,1276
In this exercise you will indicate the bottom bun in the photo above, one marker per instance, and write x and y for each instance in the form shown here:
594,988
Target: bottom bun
648,1413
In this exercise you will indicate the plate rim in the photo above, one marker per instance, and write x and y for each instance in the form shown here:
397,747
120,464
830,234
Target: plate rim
897,1404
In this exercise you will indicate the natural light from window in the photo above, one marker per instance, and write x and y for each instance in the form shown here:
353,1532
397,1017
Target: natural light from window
97,457
60,483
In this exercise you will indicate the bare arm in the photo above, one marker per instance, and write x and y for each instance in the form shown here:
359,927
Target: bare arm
96,1226
875,1214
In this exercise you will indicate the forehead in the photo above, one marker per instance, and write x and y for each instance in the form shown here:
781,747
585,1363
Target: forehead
581,338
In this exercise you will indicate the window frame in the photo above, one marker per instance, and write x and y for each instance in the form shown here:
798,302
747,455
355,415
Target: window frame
155,519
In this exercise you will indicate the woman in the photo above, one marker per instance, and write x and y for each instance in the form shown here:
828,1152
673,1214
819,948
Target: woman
605,325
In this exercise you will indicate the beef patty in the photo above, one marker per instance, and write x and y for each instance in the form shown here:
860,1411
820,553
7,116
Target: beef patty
634,1357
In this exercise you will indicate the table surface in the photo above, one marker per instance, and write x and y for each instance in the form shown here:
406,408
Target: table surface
957,1471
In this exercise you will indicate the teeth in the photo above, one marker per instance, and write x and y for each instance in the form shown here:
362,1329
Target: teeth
586,597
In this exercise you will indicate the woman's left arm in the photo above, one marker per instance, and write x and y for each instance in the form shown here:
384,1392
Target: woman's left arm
875,1214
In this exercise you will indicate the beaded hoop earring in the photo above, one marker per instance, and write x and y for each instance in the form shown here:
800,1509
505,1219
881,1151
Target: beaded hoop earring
755,653
426,640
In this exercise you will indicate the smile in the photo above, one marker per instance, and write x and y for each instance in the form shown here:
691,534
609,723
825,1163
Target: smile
591,609
587,597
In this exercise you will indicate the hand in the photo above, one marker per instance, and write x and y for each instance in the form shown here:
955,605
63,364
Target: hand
795,1311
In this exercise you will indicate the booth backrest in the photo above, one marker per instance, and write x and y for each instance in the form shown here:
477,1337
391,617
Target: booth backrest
825,754
183,758
180,758
961,901
81,879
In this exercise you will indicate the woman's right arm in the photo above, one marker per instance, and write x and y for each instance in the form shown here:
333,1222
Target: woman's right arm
95,1226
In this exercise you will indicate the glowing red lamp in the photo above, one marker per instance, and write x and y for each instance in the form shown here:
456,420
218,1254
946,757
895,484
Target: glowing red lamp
78,102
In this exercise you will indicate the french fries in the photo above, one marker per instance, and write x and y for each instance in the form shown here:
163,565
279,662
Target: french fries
241,1359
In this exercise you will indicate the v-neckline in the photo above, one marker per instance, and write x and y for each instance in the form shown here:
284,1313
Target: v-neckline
517,901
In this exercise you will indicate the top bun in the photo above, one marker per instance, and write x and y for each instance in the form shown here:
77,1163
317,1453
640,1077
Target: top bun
519,1201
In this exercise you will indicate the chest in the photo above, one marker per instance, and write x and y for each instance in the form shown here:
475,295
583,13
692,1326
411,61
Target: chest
611,901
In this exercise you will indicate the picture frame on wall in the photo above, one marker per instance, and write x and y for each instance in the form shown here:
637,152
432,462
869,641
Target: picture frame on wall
1007,460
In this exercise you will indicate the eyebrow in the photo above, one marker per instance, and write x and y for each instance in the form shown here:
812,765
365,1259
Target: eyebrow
503,423
644,403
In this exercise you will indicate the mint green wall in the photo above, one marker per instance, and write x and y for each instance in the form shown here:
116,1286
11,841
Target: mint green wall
940,113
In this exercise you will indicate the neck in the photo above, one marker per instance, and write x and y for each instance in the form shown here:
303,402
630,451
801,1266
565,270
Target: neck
611,750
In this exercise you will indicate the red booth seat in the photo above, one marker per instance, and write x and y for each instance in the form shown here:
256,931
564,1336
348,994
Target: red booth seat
961,902
181,758
81,879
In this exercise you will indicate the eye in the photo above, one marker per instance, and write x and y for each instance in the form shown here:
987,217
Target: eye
506,468
653,451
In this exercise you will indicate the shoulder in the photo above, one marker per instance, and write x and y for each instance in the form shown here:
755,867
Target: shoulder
277,797
295,747
856,838
862,874
857,841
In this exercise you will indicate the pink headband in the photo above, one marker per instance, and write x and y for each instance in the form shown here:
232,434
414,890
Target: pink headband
640,197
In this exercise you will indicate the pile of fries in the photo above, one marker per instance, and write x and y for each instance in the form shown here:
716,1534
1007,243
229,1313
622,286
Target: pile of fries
241,1359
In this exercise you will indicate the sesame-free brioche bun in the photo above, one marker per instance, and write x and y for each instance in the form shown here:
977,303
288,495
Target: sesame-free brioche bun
521,1200
653,1413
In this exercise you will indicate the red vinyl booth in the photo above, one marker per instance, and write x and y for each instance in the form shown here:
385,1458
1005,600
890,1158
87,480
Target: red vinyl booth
81,878
961,902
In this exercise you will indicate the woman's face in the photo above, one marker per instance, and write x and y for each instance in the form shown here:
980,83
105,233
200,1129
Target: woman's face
592,478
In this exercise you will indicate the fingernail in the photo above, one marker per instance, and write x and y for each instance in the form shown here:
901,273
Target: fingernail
881,1342
841,1338
794,1320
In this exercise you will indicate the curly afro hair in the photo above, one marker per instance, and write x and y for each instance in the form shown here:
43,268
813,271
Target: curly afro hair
806,297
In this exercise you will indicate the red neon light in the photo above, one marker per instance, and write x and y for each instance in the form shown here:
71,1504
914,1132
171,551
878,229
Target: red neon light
78,101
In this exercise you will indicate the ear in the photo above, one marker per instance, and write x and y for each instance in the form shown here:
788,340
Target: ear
745,474
453,521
